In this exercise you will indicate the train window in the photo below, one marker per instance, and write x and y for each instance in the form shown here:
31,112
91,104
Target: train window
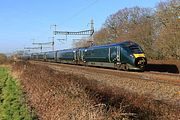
125,48
136,49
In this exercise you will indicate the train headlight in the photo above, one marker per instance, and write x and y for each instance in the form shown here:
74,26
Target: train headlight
132,56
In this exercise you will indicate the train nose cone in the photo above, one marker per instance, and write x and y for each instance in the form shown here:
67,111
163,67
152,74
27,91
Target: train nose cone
140,62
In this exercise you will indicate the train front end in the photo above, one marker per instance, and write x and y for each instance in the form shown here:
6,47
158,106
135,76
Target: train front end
135,55
139,57
140,61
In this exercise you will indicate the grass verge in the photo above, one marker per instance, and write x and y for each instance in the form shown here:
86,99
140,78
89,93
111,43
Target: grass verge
12,102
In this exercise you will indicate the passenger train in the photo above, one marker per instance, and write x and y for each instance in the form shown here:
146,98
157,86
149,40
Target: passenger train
126,55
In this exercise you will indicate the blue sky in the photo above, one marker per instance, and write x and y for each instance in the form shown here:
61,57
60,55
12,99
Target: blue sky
21,21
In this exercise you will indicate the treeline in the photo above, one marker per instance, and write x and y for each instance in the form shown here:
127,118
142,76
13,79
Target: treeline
157,29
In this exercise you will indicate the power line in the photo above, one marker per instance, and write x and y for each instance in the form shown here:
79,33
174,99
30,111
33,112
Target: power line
80,11
84,32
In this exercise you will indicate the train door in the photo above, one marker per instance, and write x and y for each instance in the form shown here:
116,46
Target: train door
55,56
75,55
113,54
82,55
78,55
118,57
45,57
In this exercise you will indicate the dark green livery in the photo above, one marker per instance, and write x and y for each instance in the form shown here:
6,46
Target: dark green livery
125,55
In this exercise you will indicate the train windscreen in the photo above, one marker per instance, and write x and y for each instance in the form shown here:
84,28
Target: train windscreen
136,49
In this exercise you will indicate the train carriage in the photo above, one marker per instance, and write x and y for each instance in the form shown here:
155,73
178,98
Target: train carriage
26,56
50,56
67,56
34,56
125,55
41,56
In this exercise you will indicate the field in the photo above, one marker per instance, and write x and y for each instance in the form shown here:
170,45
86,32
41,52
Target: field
65,92
12,102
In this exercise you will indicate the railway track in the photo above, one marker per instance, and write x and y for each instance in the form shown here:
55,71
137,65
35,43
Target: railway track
160,77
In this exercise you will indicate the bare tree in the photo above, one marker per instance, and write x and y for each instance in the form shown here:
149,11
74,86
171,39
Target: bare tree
84,42
168,29
102,37
157,31
132,24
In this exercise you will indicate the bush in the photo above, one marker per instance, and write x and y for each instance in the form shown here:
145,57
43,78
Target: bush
3,58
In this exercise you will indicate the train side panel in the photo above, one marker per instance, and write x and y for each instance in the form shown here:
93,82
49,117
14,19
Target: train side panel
34,56
50,56
67,56
41,56
97,54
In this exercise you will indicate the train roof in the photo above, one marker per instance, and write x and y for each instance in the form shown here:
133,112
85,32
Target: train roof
125,43
34,53
68,49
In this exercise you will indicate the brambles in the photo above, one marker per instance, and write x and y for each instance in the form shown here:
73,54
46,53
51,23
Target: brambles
65,95
60,95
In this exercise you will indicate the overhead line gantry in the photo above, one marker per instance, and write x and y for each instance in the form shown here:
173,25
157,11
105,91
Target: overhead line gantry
84,32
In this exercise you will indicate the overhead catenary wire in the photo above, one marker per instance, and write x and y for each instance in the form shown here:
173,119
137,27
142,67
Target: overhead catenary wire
73,16
80,11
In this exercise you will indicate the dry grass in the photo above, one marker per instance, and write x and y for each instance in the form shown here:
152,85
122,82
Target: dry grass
64,96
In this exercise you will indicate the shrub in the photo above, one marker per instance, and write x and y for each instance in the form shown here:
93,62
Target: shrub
3,58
